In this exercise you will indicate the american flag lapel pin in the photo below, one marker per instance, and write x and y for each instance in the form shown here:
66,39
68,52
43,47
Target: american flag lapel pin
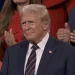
50,51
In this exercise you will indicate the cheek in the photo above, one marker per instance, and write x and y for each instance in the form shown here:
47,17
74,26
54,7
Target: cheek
23,28
39,29
38,32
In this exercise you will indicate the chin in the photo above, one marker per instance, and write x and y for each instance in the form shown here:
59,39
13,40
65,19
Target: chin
28,38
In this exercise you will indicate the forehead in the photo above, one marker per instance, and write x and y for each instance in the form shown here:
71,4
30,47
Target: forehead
29,16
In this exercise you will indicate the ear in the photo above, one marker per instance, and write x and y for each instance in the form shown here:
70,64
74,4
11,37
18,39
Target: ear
45,26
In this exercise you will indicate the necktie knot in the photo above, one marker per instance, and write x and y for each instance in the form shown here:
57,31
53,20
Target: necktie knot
34,47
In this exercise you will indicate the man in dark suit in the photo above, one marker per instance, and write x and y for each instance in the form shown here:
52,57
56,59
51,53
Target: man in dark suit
51,57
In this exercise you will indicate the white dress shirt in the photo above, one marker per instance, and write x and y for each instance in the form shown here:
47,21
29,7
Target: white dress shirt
39,52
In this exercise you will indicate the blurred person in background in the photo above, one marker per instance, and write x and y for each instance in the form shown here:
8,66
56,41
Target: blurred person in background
1,4
10,30
59,12
1,51
67,34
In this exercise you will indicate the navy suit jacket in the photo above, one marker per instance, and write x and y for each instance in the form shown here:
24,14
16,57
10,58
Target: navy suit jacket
61,61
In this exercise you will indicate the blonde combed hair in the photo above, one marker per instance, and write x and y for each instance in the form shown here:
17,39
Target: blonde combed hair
38,9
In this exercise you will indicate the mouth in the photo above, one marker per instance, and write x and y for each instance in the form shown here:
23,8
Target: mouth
28,34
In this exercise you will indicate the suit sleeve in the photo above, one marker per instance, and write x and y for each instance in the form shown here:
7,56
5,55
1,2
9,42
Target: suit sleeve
4,70
71,13
70,67
69,5
71,19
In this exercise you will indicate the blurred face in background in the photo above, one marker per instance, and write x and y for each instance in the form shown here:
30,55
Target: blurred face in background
20,1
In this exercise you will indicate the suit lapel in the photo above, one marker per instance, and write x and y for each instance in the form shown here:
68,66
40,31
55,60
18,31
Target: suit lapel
21,57
47,55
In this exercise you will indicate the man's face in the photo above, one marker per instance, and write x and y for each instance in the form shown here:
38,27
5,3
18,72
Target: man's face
33,28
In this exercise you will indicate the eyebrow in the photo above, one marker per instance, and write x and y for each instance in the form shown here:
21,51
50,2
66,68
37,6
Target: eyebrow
27,21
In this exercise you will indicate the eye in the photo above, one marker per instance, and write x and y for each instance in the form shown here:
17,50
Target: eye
30,22
23,23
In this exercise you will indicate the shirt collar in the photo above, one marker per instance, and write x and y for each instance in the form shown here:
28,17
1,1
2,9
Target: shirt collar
42,43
